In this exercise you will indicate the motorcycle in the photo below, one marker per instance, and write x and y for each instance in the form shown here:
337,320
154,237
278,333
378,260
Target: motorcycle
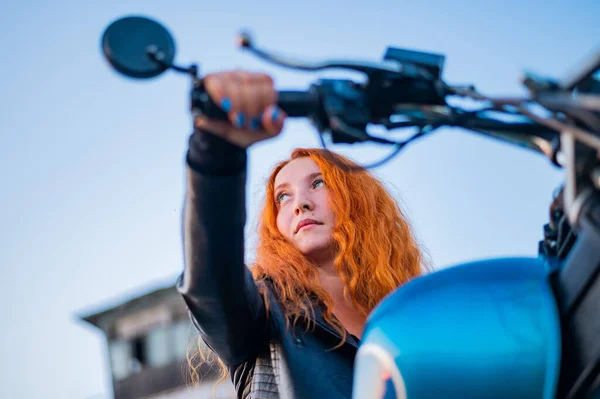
498,328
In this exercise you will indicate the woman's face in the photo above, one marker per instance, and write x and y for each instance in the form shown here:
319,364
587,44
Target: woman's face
304,216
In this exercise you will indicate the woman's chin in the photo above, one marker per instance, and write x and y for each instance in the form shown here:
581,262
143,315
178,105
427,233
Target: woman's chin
319,252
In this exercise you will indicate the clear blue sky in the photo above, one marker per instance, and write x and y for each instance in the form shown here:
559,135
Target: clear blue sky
91,164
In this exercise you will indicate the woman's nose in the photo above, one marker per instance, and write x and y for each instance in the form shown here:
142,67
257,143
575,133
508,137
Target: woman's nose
303,205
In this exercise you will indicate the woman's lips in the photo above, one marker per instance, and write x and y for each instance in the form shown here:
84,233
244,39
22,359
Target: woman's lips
306,223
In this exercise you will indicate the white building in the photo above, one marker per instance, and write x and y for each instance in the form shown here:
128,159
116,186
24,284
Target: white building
148,338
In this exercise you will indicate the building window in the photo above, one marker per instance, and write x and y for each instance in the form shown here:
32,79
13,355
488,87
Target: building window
184,336
139,350
120,358
158,345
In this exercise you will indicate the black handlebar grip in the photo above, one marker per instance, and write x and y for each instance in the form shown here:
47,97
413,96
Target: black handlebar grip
294,103
298,103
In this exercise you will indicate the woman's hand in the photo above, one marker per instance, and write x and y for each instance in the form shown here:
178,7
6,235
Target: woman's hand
250,101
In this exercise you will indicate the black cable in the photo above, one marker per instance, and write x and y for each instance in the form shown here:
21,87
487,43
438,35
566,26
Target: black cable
399,146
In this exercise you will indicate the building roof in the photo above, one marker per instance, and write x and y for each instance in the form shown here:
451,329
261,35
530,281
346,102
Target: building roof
128,303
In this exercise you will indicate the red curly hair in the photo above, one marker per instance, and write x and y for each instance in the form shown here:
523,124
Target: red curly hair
372,237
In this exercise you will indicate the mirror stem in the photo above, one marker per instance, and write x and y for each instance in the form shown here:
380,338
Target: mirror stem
158,56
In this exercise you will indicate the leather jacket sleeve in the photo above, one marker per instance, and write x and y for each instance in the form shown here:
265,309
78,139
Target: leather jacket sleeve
217,287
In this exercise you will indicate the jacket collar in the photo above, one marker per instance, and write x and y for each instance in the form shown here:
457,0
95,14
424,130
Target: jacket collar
319,319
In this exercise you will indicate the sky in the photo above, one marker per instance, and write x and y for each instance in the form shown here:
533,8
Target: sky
92,163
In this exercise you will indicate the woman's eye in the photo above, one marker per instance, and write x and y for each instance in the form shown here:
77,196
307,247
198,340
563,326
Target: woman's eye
280,197
318,183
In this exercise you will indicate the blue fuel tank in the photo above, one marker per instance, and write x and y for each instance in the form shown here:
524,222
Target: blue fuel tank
485,329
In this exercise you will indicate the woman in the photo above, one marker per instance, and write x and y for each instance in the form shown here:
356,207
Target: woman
332,244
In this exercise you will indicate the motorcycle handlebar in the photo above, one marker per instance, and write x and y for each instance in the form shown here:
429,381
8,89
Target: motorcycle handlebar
295,103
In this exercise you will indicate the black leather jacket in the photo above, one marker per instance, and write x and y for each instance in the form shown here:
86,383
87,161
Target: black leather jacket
264,359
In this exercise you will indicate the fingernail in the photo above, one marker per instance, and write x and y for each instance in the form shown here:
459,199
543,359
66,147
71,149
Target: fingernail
226,104
240,120
255,123
274,114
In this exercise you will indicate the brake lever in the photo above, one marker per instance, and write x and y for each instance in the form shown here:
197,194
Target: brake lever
369,68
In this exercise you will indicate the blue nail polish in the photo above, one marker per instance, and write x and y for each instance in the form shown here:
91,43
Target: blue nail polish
255,123
274,114
226,105
240,120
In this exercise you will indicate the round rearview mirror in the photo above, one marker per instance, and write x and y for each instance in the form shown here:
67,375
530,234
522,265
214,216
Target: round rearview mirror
138,47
